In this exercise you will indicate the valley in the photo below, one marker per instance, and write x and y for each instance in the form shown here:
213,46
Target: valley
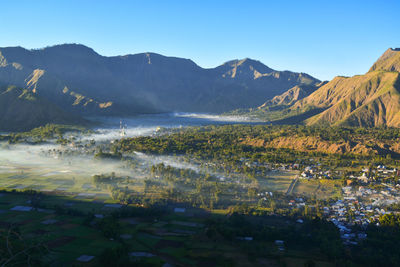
200,133
136,184
315,164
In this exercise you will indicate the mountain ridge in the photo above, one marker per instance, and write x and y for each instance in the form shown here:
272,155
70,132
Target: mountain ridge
149,82
389,61
22,110
371,99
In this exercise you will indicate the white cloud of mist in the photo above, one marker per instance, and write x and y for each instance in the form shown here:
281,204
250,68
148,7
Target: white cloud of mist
172,161
34,166
217,118
38,159
104,134
43,167
145,125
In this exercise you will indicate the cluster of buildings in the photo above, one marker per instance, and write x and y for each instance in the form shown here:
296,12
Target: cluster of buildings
315,172
360,206
367,196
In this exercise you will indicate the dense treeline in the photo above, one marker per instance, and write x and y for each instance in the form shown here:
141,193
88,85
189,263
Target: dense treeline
382,246
220,135
42,133
106,179
105,155
226,143
314,234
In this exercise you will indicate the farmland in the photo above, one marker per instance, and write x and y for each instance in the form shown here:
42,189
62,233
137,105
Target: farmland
68,229
187,197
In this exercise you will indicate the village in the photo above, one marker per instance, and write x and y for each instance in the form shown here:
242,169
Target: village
367,195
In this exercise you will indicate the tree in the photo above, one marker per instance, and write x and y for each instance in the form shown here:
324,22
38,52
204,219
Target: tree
15,250
110,227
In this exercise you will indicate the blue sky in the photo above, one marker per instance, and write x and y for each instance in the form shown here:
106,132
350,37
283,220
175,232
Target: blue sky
322,38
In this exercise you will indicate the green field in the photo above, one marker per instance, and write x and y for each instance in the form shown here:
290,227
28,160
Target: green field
277,181
178,239
322,189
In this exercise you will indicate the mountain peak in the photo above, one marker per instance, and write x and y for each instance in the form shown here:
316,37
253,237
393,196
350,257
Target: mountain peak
389,61
244,68
246,62
67,49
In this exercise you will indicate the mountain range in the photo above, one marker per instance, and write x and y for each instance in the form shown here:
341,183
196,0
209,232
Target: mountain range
80,81
64,83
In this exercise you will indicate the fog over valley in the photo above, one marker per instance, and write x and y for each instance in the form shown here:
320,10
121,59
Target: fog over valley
70,168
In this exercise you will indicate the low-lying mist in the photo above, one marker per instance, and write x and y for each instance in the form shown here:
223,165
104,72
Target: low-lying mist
145,125
216,118
53,167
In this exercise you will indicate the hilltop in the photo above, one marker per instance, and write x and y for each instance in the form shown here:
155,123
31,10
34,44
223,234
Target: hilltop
389,61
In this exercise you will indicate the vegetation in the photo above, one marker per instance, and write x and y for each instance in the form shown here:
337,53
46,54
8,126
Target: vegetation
43,133
233,142
105,155
239,197
202,234
250,195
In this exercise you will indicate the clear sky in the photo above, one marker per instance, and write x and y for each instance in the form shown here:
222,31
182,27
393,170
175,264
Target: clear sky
323,38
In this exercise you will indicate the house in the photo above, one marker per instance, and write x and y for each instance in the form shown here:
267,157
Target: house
179,210
363,178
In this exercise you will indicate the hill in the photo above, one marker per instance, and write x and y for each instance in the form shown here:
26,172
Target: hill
369,100
389,61
22,110
292,95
